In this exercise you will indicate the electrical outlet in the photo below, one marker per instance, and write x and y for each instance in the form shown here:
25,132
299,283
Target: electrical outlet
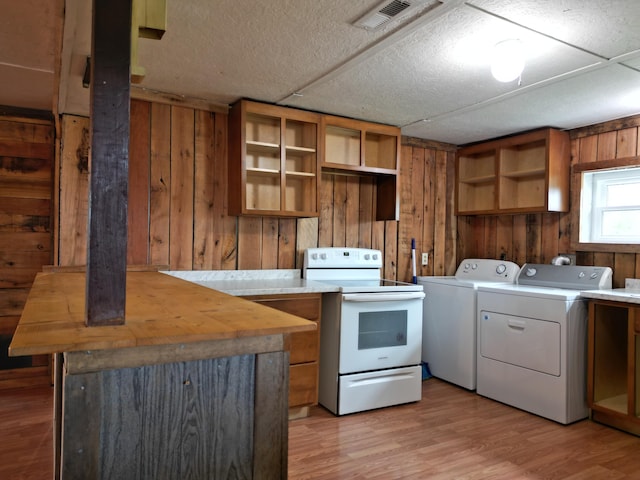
425,259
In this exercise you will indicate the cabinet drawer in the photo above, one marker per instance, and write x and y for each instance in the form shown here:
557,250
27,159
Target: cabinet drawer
304,347
303,384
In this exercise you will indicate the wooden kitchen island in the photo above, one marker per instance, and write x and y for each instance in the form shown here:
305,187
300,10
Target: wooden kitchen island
193,386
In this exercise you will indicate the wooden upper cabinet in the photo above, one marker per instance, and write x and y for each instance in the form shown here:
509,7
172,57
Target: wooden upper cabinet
273,160
364,148
524,173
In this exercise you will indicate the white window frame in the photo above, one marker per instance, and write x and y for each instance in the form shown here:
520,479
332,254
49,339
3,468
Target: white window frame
594,184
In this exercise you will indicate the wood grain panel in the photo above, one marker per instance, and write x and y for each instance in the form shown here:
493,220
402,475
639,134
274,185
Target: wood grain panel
607,143
182,178
74,191
339,211
249,243
366,218
160,184
429,212
139,176
325,217
269,242
627,142
205,254
26,130
287,243
352,211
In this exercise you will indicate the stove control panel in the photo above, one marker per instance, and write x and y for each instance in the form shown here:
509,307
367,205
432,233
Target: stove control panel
339,257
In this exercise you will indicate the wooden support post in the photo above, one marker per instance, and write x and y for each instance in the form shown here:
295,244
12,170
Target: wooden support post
110,107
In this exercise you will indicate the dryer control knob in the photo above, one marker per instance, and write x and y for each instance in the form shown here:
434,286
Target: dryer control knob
467,266
531,272
581,275
594,275
500,269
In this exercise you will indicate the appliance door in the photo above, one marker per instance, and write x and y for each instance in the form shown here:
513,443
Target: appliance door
380,330
382,388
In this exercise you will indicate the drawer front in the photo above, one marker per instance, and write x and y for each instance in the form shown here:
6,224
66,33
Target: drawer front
300,305
304,347
303,384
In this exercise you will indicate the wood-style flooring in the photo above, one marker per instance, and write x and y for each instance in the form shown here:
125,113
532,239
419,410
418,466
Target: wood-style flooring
450,434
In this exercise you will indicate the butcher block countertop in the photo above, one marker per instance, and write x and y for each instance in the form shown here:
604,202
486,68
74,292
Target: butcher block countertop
160,310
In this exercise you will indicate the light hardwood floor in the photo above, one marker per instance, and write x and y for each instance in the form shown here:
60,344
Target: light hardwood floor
450,434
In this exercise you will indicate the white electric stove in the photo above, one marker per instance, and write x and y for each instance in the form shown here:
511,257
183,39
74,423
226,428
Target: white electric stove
370,332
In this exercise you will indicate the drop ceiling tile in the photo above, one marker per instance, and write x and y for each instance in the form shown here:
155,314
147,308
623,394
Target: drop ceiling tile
606,27
604,94
440,68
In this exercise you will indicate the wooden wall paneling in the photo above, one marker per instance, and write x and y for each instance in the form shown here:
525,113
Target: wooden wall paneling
139,170
205,255
12,301
269,243
549,241
637,271
27,131
160,183
306,237
390,252
504,237
182,178
429,210
463,228
604,259
352,211
607,143
588,149
490,237
74,191
449,261
627,142
534,237
339,211
287,243
441,199
226,229
411,208
22,255
366,212
8,324
325,217
520,239
249,243
624,266
565,232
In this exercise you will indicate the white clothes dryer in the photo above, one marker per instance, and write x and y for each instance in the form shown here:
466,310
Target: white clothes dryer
449,317
532,340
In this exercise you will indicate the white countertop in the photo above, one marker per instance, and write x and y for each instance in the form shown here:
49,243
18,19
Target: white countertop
242,283
629,294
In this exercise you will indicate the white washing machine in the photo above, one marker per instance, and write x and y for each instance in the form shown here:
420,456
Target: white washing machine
449,317
532,340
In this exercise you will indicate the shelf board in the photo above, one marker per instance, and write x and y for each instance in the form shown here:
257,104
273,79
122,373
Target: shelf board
263,145
534,172
264,171
617,403
294,149
479,179
294,173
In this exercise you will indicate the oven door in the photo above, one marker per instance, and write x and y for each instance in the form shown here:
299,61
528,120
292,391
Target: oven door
380,330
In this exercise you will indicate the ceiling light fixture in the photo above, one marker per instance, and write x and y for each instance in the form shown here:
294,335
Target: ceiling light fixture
507,60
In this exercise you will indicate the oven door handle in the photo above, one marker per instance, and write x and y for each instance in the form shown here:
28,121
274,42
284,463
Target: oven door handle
382,297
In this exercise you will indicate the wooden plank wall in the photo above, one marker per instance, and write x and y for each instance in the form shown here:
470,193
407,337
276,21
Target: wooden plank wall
26,184
537,238
178,202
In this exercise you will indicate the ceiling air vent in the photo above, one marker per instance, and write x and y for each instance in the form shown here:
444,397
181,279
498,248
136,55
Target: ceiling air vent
383,13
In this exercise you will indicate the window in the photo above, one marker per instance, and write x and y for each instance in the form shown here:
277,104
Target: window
610,206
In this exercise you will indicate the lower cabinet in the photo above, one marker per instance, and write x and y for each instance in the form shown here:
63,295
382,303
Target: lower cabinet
613,381
305,348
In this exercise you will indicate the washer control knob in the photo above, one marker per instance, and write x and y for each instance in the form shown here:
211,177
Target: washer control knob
474,266
467,266
531,272
500,269
594,275
581,275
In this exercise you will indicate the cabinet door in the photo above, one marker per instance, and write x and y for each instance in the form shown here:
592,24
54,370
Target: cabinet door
273,161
